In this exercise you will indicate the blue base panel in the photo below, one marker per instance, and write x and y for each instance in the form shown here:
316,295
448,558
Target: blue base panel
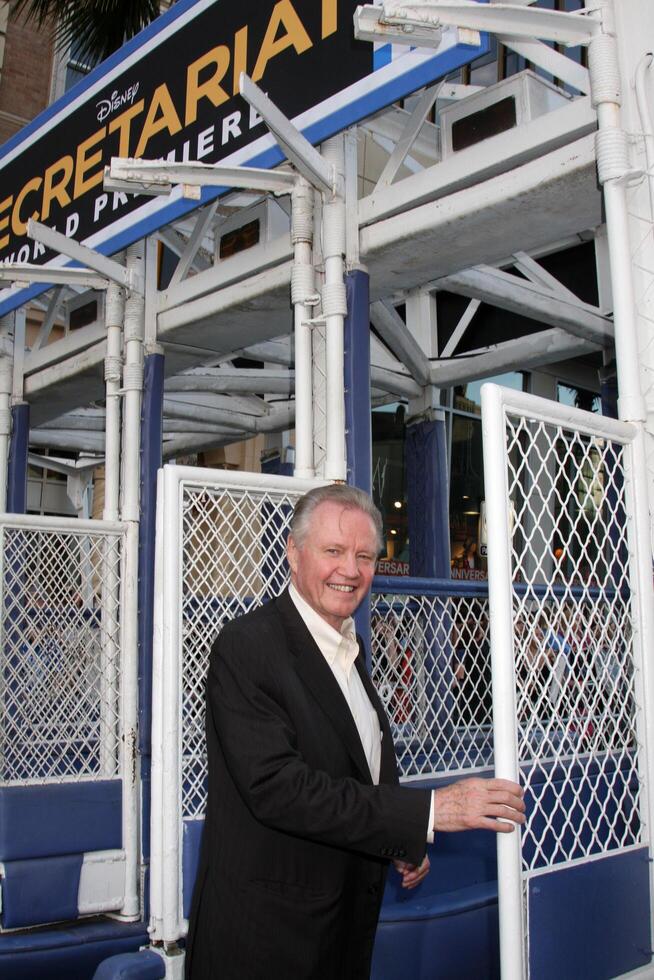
591,920
71,952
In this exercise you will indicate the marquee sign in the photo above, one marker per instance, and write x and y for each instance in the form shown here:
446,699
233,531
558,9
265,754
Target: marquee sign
172,93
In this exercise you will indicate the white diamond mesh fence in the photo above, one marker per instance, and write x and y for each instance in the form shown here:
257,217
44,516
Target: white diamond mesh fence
233,559
60,673
576,687
431,668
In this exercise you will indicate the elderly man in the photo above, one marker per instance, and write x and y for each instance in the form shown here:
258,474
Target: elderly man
304,810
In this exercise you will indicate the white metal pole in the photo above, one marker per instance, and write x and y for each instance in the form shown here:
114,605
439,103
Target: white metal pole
132,385
614,169
115,313
500,591
334,305
640,560
134,331
7,332
302,291
157,814
170,729
129,701
109,638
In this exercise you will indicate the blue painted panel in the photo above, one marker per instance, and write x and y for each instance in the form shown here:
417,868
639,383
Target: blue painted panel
18,447
70,952
191,843
64,818
425,451
38,891
591,920
358,433
464,946
132,966
151,460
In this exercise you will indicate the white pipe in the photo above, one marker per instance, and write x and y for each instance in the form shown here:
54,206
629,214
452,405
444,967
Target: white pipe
614,170
129,700
500,591
7,329
134,328
110,605
133,385
334,310
157,781
302,291
169,765
115,313
640,528
640,580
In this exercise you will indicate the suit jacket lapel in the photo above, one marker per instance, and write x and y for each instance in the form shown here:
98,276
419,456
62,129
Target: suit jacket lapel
316,674
388,764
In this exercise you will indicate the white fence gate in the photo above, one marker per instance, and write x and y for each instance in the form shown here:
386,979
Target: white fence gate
570,594
221,545
67,721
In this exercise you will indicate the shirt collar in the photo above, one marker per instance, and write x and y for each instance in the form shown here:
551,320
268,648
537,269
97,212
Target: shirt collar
337,648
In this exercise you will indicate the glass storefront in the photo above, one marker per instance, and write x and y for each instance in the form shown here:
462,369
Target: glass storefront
467,532
462,408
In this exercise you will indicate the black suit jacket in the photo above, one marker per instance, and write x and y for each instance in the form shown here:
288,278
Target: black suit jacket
296,838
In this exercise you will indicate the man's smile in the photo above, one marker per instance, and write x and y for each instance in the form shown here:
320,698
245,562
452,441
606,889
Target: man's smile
341,588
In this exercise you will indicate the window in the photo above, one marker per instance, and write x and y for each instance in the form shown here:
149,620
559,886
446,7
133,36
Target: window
577,397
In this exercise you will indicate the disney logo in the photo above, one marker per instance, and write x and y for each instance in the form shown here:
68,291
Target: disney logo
106,107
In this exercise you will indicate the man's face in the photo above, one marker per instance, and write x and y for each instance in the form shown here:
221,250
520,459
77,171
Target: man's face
333,569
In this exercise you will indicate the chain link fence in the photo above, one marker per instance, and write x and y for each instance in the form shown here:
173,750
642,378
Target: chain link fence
60,675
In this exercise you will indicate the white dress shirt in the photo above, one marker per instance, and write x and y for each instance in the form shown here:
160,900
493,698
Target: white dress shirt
340,650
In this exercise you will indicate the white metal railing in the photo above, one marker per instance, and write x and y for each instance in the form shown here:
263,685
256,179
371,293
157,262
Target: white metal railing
568,656
220,551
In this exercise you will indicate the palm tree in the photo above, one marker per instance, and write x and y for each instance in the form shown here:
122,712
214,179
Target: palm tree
93,29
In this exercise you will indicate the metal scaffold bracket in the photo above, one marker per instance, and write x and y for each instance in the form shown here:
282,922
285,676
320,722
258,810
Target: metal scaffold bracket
159,177
411,23
297,147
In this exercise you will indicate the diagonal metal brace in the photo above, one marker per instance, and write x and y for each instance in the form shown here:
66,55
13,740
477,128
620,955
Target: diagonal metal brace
86,256
297,147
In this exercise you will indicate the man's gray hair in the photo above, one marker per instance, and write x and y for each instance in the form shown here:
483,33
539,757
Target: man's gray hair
339,493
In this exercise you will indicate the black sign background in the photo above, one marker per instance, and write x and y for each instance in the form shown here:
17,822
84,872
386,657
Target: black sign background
294,81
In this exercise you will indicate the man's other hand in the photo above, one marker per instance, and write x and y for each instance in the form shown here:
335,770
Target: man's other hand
488,804
412,874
